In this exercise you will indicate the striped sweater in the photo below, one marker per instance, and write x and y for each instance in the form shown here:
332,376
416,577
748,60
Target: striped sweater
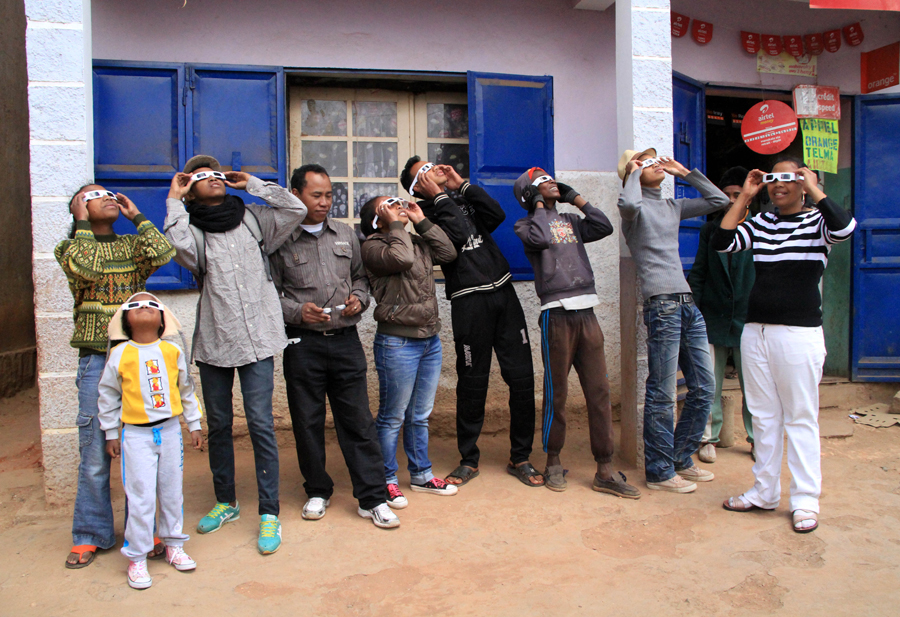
789,255
105,271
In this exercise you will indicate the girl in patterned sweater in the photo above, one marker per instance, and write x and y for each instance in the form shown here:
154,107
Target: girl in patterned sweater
103,270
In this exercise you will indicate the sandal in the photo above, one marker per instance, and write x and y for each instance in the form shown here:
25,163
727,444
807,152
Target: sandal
463,473
525,472
81,550
802,516
739,504
555,478
159,549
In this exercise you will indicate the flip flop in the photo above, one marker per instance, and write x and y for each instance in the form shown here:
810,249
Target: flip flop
80,550
735,504
462,473
524,472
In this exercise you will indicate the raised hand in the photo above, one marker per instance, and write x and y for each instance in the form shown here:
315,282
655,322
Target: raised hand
454,180
673,167
237,179
414,212
126,207
567,194
428,187
180,186
79,207
532,197
753,183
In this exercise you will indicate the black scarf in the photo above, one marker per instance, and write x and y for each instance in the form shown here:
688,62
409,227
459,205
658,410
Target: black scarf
217,219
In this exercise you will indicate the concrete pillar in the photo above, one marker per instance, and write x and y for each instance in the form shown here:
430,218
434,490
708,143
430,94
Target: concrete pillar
60,122
644,117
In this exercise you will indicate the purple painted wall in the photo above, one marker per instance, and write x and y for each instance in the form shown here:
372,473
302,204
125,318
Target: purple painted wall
534,37
724,62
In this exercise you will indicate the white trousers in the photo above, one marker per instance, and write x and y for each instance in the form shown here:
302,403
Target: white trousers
782,368
152,471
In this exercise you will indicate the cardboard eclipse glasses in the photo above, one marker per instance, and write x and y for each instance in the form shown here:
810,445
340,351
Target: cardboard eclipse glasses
139,303
98,194
390,201
203,175
785,176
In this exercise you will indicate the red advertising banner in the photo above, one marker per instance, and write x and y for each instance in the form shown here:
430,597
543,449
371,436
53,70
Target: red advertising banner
867,5
772,44
751,42
822,102
815,44
854,34
880,68
769,127
702,31
793,44
679,24
832,41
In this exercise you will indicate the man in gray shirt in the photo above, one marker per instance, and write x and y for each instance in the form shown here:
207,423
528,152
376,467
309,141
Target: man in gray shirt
324,290
676,332
238,320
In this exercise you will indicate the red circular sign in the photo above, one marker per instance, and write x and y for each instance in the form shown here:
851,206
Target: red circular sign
769,127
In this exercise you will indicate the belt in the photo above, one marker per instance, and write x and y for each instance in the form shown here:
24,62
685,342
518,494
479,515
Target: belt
683,298
294,331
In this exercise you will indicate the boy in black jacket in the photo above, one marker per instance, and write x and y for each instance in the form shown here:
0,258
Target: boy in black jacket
485,313
570,334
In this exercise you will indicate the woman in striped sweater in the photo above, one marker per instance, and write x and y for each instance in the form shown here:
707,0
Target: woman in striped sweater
782,346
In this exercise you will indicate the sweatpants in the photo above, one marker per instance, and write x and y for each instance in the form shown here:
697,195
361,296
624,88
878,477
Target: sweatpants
152,469
482,323
574,338
782,370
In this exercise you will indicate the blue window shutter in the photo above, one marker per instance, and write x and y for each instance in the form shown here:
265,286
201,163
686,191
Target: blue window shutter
689,109
510,130
138,143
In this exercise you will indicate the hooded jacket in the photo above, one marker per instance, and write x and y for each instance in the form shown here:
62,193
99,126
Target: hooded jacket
400,268
468,217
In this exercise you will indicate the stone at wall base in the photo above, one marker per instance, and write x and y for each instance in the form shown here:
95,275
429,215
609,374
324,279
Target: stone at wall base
895,403
17,371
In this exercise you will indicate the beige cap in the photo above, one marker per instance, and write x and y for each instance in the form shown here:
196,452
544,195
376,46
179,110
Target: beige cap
201,160
630,155
117,333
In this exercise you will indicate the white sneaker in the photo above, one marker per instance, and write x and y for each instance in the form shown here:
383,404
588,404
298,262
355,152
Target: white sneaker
396,500
707,453
138,577
381,515
180,560
315,508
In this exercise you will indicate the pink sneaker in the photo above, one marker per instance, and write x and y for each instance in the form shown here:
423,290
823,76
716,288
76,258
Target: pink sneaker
180,560
396,500
138,577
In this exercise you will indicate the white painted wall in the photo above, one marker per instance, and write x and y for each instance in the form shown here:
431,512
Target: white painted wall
723,61
533,37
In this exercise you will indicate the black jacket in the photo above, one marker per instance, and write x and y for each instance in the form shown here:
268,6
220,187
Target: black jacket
468,218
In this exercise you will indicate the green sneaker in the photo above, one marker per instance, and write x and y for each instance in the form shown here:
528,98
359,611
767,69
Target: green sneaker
269,534
218,516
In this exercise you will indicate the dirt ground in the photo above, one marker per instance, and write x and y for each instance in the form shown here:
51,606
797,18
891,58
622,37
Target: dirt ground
497,548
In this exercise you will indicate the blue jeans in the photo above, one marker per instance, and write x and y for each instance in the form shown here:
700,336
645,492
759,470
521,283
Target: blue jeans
257,385
92,522
676,336
408,373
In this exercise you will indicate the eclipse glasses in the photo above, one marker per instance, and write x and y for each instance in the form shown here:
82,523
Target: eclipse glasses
390,201
422,170
540,180
785,176
203,175
142,303
98,194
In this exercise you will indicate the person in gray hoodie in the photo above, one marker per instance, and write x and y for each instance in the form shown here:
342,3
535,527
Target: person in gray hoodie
676,332
570,334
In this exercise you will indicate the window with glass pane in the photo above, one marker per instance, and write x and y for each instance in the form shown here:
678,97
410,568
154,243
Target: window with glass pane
448,134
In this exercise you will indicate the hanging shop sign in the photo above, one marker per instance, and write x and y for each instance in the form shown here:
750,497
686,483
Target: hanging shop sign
769,127
853,34
772,44
751,42
793,44
679,24
702,31
817,102
880,68
820,144
786,64
815,44
832,41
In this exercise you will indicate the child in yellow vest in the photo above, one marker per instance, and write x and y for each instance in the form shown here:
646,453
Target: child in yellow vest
145,387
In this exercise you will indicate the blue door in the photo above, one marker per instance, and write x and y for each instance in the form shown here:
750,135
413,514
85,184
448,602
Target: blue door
689,123
149,118
510,131
876,244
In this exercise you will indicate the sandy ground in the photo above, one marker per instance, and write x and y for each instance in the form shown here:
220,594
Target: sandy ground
497,548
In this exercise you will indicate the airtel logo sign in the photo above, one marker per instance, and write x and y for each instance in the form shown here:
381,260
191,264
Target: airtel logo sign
763,115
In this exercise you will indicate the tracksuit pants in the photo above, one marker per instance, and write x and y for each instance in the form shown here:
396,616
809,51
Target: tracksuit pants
782,370
484,323
152,472
574,338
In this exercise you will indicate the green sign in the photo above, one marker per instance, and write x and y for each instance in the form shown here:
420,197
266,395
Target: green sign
820,144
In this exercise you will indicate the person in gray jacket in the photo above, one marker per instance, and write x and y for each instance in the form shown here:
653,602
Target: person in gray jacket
570,334
676,332
408,350
239,323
